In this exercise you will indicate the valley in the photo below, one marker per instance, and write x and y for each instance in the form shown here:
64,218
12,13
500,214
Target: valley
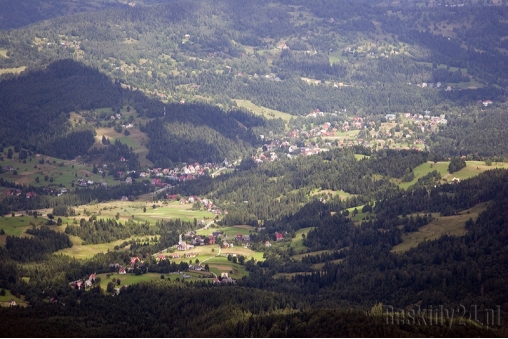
253,169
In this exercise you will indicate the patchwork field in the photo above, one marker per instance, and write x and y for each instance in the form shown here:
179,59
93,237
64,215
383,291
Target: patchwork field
452,226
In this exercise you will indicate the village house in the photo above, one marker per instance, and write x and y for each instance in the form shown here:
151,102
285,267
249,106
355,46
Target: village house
279,236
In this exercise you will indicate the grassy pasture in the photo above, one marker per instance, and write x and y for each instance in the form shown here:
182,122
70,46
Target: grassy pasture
361,156
231,231
64,175
264,111
3,53
80,251
15,70
297,241
127,209
298,257
15,226
4,300
451,225
473,168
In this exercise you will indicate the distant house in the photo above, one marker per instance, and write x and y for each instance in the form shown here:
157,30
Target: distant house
124,198
128,180
211,239
224,275
182,246
390,117
487,102
121,270
268,244
279,236
12,302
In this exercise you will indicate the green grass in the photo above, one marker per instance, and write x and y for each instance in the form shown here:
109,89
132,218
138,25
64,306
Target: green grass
12,70
424,169
264,111
126,279
231,231
297,241
172,210
361,156
80,251
358,218
473,168
298,257
336,57
15,226
5,299
63,175
451,225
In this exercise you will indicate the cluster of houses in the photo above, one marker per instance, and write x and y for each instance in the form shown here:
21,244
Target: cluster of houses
431,85
187,172
85,283
426,121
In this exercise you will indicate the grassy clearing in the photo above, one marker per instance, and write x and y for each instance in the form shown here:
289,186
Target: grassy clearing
289,275
126,279
361,156
341,194
231,231
63,172
298,257
5,299
266,112
424,169
360,216
80,251
473,168
12,70
15,226
452,225
127,209
3,53
297,241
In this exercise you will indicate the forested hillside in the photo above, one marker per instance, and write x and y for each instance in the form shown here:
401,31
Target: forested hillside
268,168
291,56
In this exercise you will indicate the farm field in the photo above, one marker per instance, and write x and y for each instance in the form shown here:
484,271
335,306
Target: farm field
451,225
472,169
